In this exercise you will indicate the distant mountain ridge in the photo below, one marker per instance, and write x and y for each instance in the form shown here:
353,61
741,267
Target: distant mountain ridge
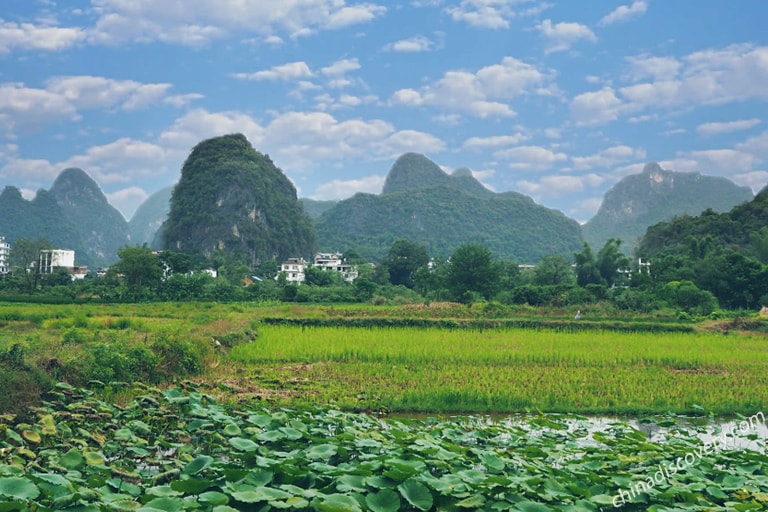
422,203
149,216
74,214
657,195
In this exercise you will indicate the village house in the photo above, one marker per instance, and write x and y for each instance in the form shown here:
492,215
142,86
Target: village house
295,268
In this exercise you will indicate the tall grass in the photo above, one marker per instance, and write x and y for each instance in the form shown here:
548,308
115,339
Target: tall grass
514,370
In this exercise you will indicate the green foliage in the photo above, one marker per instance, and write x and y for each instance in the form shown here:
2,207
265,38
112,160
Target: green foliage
234,204
553,270
472,270
656,195
252,458
403,259
443,217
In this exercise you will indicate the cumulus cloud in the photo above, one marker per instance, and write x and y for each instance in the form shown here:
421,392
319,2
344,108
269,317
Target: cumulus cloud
482,143
596,107
411,45
492,14
68,96
561,36
342,189
197,22
530,157
726,127
624,13
341,67
608,157
28,36
481,94
283,72
127,200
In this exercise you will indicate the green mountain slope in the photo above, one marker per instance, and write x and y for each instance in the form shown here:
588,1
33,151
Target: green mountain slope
233,202
656,195
74,214
102,229
443,212
149,216
728,230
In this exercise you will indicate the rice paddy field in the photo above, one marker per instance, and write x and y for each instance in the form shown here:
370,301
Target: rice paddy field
510,370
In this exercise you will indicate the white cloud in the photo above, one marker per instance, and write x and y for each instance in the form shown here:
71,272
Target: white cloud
596,107
726,127
27,36
658,68
354,15
342,189
493,142
411,45
476,94
341,67
712,77
89,92
282,72
562,36
127,200
756,180
530,157
492,14
196,22
608,157
724,161
559,185
624,13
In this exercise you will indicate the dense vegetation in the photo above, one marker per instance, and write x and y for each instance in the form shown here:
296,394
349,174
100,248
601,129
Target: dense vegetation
655,195
233,203
179,450
442,218
74,214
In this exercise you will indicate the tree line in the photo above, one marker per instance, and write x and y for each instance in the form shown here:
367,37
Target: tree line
696,283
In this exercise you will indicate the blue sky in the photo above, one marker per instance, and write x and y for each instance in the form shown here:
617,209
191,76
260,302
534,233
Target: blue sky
556,99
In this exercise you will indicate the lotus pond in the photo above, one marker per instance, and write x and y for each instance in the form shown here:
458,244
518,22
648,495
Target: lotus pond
178,449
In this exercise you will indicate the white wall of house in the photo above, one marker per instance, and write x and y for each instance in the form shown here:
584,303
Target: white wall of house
5,251
54,258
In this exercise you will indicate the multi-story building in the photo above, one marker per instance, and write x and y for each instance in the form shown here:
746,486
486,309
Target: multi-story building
335,261
51,259
5,254
293,268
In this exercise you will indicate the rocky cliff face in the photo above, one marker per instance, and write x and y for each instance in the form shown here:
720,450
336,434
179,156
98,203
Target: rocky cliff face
231,201
656,195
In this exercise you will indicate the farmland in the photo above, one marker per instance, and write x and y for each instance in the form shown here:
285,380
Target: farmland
243,407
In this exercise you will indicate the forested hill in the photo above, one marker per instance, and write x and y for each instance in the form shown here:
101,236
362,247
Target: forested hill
74,214
232,201
149,216
656,195
103,230
744,229
423,204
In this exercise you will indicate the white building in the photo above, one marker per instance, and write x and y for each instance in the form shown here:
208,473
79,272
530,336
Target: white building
293,268
335,261
5,252
51,259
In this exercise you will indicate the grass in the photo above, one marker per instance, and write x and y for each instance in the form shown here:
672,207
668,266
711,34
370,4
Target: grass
600,365
433,370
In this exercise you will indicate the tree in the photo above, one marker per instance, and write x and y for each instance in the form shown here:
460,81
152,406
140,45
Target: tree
586,267
403,259
24,260
611,261
175,262
759,241
472,269
553,270
140,268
